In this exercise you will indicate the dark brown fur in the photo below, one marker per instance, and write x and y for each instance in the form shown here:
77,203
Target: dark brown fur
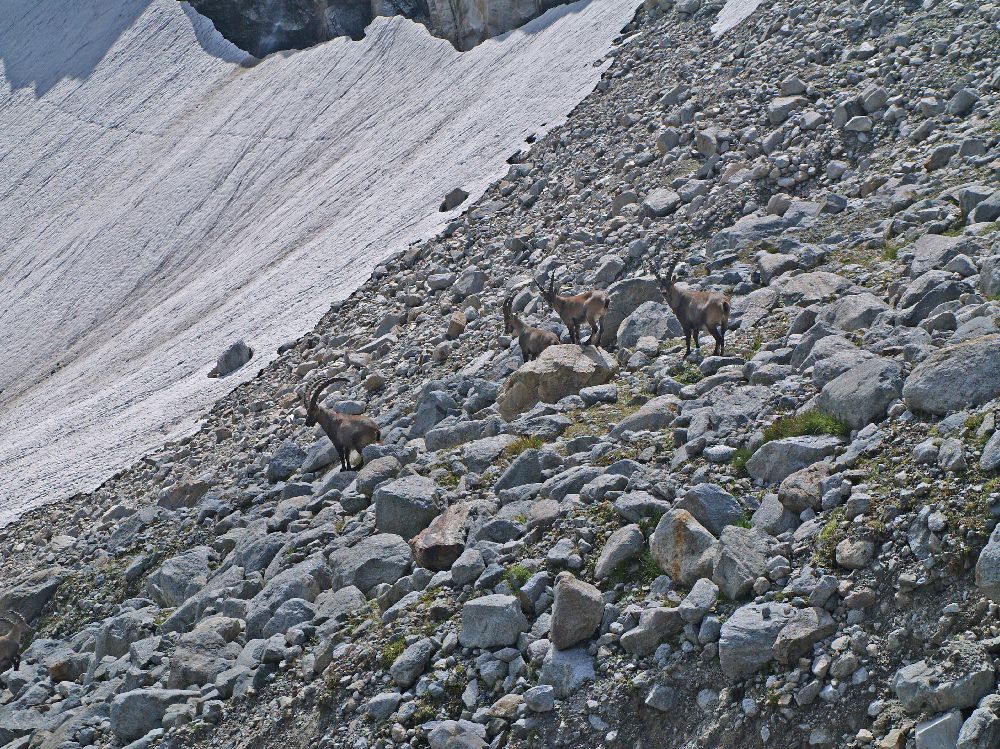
695,310
346,431
590,307
533,341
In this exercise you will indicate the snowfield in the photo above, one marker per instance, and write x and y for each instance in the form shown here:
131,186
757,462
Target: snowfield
162,196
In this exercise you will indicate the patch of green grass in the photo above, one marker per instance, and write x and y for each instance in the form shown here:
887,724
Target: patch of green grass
891,251
742,523
517,575
953,232
641,570
688,375
520,445
740,458
829,537
806,423
391,652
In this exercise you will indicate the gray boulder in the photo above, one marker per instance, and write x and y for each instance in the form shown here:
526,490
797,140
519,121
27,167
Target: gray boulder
862,394
136,713
491,621
774,461
981,730
232,359
955,377
682,547
805,628
566,671
746,642
649,319
626,296
375,473
712,506
412,662
406,506
576,611
988,566
624,544
740,558
383,558
852,312
655,624
921,686
180,577
285,461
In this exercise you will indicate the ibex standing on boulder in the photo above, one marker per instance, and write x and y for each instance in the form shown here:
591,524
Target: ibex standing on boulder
533,341
346,431
695,310
10,641
590,307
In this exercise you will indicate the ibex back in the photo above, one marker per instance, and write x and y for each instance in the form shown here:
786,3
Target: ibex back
695,310
590,307
346,431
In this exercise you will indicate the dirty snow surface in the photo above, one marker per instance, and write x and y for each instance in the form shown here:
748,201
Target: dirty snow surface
162,196
733,13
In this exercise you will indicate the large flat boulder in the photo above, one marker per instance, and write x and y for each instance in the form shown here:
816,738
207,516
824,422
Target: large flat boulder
559,371
955,377
862,394
775,461
382,558
746,642
406,505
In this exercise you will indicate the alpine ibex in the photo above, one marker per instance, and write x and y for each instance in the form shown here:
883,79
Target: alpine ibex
533,341
346,431
695,310
10,642
590,307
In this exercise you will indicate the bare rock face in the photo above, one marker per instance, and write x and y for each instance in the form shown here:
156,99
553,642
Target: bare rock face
264,26
466,23
559,371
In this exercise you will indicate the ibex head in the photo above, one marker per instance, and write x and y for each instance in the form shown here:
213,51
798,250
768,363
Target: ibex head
666,281
548,294
312,400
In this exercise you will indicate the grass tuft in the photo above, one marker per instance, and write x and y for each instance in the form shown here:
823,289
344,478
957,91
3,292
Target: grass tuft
517,575
520,445
391,652
807,423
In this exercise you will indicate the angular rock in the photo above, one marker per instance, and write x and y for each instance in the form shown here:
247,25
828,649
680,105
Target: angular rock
712,506
559,371
746,642
805,628
775,461
740,558
136,713
862,394
383,558
491,621
576,611
624,544
955,377
682,547
406,506
438,545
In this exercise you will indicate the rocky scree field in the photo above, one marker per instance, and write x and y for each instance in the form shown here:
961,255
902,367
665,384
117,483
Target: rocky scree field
788,546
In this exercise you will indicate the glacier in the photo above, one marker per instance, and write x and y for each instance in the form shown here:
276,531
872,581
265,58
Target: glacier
164,194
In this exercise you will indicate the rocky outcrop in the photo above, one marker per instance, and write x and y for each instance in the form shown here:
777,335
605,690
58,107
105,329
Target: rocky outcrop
264,26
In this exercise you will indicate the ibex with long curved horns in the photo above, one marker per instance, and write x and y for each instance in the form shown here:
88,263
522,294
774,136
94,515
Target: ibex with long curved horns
533,341
346,431
590,307
695,310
